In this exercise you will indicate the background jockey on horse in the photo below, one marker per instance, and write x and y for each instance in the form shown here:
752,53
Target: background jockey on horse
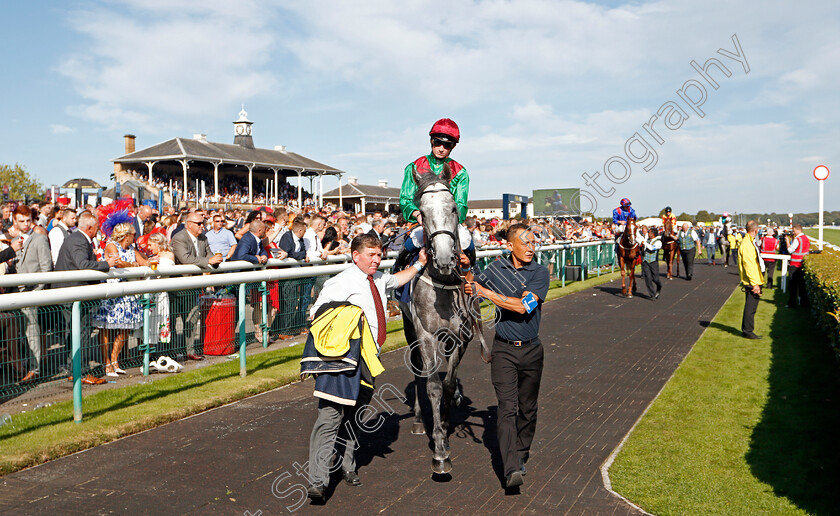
723,237
621,214
444,135
669,216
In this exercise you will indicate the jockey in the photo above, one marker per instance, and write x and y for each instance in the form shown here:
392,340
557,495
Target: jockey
726,223
621,214
669,216
444,135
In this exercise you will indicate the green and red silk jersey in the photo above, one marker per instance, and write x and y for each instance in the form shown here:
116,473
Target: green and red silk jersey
459,185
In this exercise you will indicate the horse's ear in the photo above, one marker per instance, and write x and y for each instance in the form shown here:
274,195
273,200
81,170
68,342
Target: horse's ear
416,176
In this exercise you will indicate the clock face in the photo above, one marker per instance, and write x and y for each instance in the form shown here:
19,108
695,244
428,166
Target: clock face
240,129
248,130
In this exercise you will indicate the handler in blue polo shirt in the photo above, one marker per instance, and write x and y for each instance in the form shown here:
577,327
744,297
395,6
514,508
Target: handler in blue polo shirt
517,286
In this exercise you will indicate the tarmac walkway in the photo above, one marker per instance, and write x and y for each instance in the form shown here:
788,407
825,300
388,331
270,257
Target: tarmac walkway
606,359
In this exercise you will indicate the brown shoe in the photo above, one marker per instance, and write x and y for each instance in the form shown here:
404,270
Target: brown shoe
89,380
283,337
192,356
30,376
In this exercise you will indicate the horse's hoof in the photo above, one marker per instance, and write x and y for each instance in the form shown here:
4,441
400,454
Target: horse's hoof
418,429
441,467
457,399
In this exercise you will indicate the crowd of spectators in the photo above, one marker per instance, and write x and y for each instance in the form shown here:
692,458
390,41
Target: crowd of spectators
232,189
37,234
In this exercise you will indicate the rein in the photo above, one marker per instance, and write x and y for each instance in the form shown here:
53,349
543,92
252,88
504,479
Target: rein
426,279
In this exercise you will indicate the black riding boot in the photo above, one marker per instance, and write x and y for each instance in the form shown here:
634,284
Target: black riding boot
402,259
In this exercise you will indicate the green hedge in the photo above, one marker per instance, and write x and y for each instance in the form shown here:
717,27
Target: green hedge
822,279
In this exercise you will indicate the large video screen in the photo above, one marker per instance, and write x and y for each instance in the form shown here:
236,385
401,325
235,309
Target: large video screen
557,202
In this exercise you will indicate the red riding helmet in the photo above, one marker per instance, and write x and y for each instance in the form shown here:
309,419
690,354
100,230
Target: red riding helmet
625,202
446,128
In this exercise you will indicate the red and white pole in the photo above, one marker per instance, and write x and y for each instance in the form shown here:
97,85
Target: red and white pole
821,174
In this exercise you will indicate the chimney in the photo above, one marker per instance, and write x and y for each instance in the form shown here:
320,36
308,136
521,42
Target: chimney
383,183
129,143
281,148
201,137
352,180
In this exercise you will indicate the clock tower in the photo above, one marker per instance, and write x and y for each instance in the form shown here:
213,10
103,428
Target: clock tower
242,130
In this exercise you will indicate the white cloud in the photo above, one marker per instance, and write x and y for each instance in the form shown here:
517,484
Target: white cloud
153,63
61,129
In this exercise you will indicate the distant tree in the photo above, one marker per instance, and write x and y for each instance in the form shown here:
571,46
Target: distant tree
704,216
685,217
20,182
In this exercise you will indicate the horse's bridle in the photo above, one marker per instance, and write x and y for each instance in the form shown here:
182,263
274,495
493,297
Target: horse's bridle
430,237
630,236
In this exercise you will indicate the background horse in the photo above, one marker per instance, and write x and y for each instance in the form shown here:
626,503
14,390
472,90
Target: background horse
670,248
627,250
440,319
723,244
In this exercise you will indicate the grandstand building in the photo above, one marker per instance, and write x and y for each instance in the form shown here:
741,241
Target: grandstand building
365,198
222,166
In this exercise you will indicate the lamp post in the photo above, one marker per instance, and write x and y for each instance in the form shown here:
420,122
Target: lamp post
821,174
790,219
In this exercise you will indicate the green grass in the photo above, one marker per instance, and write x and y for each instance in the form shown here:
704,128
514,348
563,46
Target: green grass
743,427
831,236
44,434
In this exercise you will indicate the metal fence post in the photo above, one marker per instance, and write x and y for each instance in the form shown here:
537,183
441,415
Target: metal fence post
563,271
612,261
585,264
147,306
243,371
76,350
264,324
598,273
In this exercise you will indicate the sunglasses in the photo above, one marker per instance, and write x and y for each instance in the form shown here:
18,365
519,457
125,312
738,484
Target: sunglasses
437,142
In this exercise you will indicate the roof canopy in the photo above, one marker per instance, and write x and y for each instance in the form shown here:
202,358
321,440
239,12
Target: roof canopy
81,182
373,193
178,149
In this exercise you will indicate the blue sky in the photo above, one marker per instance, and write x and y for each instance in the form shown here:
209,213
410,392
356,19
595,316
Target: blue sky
543,91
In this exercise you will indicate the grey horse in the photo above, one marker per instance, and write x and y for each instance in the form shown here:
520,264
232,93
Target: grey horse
440,319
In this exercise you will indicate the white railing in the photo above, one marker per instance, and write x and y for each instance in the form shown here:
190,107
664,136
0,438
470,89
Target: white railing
785,258
163,271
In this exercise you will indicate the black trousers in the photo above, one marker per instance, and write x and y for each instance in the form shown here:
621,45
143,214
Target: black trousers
688,261
796,288
750,306
770,266
515,373
650,271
